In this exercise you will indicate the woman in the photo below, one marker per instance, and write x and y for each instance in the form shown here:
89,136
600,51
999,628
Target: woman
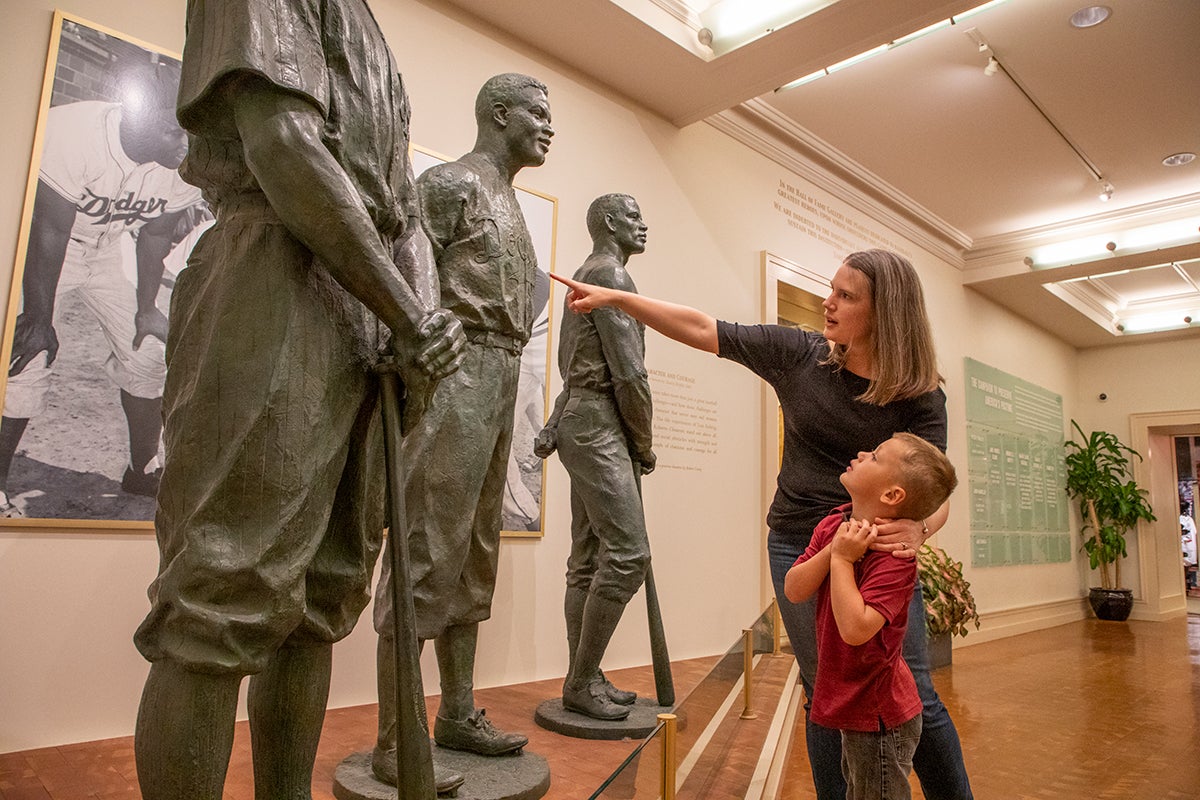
870,373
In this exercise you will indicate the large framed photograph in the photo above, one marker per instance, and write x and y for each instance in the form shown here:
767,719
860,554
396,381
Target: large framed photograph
526,484
106,226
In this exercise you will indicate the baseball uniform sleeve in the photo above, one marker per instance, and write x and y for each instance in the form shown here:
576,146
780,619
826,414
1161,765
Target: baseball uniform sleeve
279,41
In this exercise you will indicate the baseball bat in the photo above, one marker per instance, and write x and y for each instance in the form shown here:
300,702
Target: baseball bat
664,684
414,757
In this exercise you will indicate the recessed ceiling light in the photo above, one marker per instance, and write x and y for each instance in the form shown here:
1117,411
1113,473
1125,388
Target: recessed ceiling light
1179,159
1089,16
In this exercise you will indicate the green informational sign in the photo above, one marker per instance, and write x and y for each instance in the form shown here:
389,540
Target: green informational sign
1015,470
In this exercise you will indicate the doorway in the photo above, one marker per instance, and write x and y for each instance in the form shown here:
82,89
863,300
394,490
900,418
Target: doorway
1187,465
1163,592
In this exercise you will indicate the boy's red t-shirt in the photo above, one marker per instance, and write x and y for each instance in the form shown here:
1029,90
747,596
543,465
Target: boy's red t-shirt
859,687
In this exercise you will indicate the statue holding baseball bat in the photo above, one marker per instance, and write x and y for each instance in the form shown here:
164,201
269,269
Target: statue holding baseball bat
271,506
601,427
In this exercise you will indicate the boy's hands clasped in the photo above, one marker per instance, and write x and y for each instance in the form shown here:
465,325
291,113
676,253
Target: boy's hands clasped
852,540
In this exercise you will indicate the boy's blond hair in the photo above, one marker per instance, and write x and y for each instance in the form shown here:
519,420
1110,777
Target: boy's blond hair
926,476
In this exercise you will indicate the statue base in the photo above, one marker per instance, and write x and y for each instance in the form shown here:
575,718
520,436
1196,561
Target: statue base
521,776
641,722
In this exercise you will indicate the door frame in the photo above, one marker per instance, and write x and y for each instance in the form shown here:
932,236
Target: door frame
1153,435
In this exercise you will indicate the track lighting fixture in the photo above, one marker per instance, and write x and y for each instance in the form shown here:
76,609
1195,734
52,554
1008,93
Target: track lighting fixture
1106,192
992,66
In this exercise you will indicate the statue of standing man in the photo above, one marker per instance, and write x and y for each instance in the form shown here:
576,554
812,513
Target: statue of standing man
458,454
271,506
602,427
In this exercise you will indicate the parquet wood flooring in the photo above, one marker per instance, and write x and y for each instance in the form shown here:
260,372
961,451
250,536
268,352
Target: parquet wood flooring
1091,710
1104,711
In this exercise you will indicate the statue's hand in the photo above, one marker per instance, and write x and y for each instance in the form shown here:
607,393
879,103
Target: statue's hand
439,353
30,337
646,462
418,394
440,344
546,442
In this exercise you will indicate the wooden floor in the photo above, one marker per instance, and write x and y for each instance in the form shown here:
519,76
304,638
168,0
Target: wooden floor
1095,710
1103,711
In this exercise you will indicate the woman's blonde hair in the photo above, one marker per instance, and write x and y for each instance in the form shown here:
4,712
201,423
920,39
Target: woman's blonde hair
903,360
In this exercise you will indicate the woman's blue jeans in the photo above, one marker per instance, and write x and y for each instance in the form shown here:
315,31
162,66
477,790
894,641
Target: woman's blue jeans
938,761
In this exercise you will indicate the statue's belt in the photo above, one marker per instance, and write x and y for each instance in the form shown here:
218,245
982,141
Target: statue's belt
584,393
500,341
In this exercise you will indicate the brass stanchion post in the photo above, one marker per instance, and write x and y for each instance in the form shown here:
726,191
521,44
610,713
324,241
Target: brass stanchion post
747,670
668,756
776,629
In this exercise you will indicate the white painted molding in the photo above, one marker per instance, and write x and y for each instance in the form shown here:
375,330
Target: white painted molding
680,11
1012,247
767,132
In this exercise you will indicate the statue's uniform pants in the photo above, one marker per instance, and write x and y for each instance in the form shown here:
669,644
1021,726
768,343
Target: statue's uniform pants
456,461
610,551
270,511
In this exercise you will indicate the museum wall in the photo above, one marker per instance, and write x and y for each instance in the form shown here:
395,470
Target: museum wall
1018,598
1147,379
1136,379
70,599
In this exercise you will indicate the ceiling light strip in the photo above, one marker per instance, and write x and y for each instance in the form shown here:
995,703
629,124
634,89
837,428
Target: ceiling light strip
874,51
970,12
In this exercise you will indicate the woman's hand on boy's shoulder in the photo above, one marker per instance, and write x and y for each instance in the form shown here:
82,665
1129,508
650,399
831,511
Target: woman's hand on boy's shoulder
900,537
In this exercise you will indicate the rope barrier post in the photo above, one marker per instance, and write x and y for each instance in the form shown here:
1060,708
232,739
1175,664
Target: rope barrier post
747,670
668,756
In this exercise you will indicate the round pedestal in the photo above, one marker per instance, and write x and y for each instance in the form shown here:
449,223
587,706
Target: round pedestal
641,722
521,776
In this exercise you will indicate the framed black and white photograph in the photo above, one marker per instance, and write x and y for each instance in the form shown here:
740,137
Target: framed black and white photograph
525,487
107,225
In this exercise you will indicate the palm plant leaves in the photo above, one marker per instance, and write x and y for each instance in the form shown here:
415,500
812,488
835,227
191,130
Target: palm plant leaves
1100,478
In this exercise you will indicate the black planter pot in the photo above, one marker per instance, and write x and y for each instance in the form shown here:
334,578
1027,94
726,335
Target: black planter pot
940,650
1111,604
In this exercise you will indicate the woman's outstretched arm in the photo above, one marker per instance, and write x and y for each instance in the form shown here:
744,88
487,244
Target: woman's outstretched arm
681,323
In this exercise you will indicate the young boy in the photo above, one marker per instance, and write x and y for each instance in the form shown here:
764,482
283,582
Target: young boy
863,687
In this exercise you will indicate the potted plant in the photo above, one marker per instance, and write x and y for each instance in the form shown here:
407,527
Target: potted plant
1099,476
949,605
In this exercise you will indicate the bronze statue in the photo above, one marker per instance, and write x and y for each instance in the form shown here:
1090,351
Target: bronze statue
601,426
458,454
271,506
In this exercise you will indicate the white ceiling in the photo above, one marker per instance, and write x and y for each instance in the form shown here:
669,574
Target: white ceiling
962,163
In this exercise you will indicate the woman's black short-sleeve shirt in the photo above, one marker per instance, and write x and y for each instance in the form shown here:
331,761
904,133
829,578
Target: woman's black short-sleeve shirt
824,425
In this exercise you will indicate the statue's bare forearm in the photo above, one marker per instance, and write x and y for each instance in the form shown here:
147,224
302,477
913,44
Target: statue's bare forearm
316,200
